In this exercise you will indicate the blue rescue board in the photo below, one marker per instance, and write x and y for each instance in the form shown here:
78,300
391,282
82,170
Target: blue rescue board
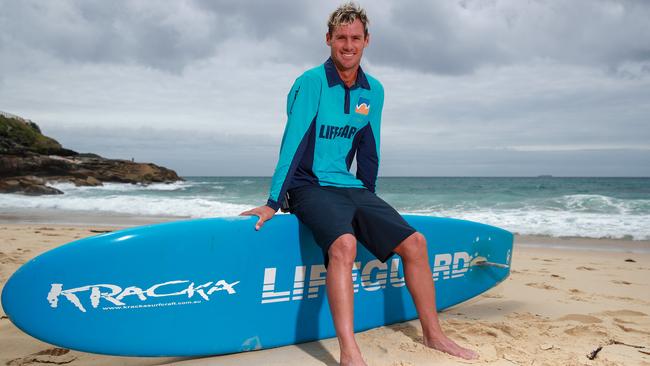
214,286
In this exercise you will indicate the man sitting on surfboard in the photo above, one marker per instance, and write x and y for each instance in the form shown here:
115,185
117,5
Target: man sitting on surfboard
334,114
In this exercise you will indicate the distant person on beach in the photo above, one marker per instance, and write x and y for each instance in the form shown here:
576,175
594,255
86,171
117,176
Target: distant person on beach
334,114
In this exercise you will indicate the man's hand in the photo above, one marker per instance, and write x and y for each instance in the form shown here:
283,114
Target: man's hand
263,212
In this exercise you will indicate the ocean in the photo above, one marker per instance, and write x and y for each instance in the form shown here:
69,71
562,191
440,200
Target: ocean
550,206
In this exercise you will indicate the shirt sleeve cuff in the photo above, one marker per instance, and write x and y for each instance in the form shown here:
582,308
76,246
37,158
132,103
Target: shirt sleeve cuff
273,204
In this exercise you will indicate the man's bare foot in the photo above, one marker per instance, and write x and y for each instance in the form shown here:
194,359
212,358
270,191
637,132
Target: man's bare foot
446,345
352,359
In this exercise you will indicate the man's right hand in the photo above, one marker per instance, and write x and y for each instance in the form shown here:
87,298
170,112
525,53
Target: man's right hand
263,212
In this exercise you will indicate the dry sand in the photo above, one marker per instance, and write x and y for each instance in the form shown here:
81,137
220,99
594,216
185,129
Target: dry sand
557,306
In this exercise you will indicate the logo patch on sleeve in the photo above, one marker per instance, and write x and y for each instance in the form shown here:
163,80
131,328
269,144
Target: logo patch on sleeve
363,106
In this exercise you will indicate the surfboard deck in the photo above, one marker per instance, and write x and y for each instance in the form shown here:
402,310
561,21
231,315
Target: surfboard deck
215,286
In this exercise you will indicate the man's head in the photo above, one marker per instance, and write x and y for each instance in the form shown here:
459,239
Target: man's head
347,35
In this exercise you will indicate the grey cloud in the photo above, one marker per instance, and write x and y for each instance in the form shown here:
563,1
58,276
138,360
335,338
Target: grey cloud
162,35
538,105
429,37
296,29
446,37
165,37
263,19
459,37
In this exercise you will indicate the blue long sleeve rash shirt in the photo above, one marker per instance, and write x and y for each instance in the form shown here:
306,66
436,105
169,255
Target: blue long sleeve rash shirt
328,124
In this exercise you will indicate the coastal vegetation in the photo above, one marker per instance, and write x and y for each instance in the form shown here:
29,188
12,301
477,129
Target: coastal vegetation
18,136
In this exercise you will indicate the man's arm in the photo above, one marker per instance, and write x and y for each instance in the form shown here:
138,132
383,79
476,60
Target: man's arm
368,149
302,107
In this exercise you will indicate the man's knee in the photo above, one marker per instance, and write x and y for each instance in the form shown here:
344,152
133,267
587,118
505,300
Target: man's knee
413,247
343,250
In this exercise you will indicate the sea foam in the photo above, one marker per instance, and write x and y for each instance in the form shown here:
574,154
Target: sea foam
593,207
132,205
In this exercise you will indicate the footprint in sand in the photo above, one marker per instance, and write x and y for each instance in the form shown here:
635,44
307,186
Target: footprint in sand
625,324
541,286
581,318
56,356
621,282
401,363
623,312
7,259
586,331
558,277
626,299
406,329
412,347
623,321
380,348
52,352
514,332
584,268
628,329
577,295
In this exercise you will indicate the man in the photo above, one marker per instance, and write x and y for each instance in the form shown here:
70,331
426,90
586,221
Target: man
334,114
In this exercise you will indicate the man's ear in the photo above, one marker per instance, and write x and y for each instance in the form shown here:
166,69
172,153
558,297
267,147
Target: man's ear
328,39
367,40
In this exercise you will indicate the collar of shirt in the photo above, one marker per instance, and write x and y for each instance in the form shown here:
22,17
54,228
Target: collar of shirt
333,77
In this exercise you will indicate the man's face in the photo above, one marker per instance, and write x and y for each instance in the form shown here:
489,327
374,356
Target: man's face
347,43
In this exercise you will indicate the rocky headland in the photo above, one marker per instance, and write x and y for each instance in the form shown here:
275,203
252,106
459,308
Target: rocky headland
30,160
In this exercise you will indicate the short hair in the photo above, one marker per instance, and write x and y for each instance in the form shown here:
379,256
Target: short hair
347,14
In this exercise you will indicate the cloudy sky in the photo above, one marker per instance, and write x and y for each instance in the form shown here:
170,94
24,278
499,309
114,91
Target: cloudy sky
473,88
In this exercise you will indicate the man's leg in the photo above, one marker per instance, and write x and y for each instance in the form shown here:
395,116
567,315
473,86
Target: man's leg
419,281
341,296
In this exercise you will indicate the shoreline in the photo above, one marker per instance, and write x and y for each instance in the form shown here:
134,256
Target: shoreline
80,218
582,244
115,221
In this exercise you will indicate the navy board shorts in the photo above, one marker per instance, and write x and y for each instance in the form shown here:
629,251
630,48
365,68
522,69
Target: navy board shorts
330,212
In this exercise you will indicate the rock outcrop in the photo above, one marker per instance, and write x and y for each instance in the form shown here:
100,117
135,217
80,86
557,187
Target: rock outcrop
29,160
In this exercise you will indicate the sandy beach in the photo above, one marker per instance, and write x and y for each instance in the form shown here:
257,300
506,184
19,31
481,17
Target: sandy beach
558,306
